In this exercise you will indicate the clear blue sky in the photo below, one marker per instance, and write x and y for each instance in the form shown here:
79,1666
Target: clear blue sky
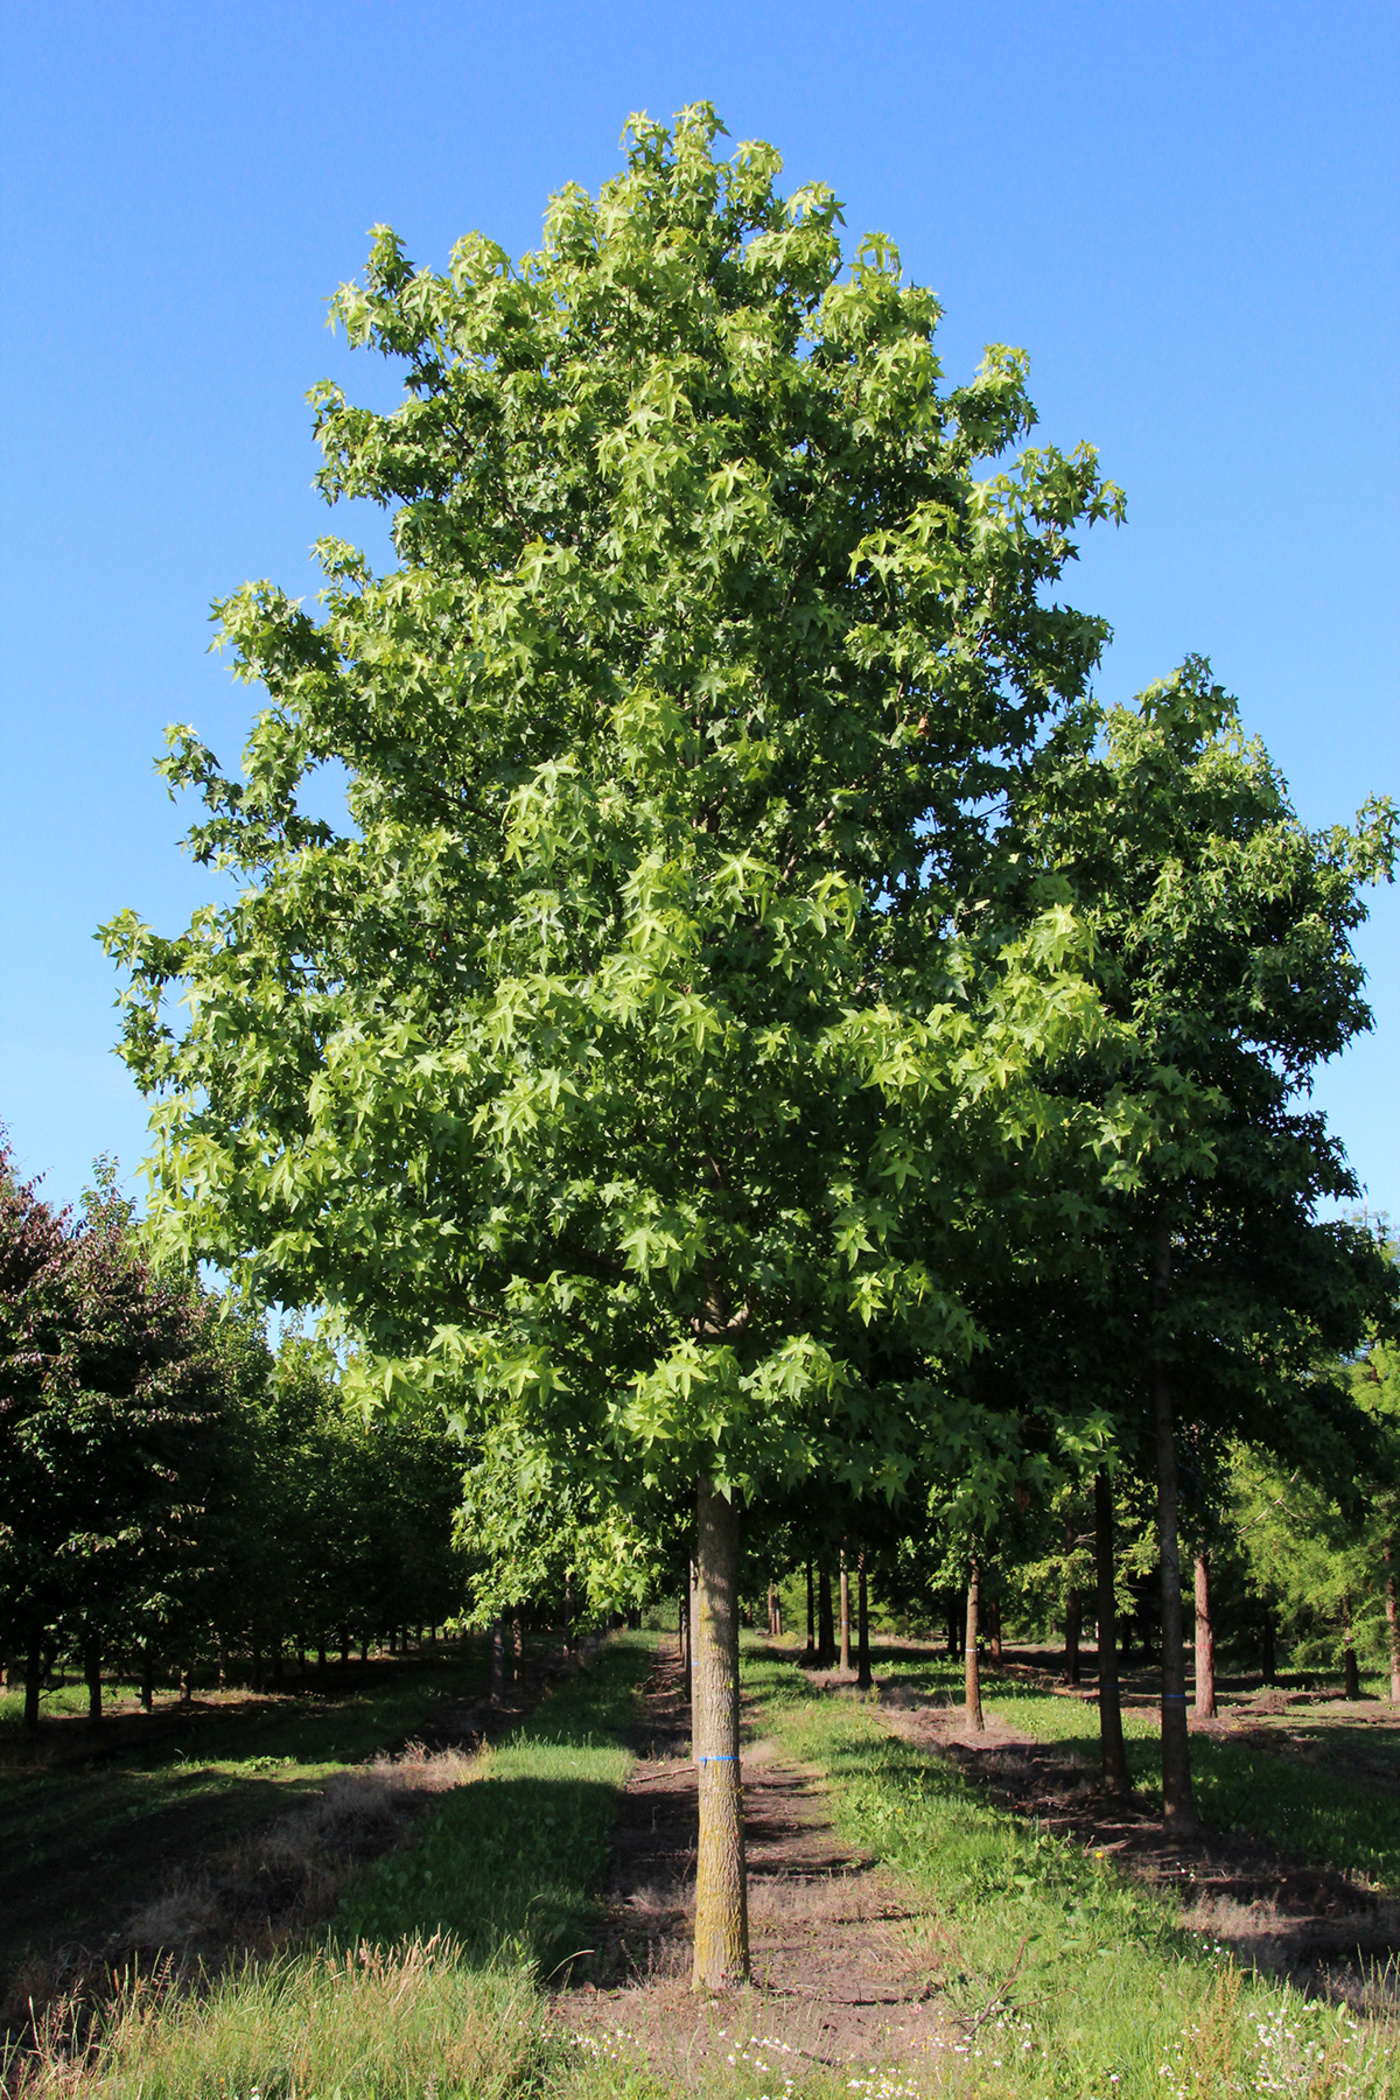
1186,213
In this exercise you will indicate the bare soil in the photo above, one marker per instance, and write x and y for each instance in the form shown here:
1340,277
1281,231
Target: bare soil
841,1953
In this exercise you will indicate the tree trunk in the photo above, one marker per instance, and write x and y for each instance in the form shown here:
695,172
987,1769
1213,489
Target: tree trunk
772,1611
517,1644
186,1683
811,1612
952,1626
691,1623
1269,1646
92,1673
1351,1682
826,1631
972,1675
845,1614
1392,1628
148,1677
33,1685
277,1663
498,1659
1205,1643
1178,1803
995,1614
721,1893
1113,1758
863,1678
568,1616
1072,1629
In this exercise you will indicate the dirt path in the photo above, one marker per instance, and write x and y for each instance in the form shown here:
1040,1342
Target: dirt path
1320,1928
837,1976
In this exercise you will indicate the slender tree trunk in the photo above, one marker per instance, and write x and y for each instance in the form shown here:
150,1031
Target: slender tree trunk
811,1612
92,1673
772,1611
1178,1802
1392,1625
1072,1631
1351,1682
1113,1758
517,1645
845,1614
1205,1643
721,1893
364,1649
995,1611
186,1683
498,1658
148,1677
952,1627
972,1674
863,1678
826,1630
568,1615
683,1637
1268,1642
277,1663
33,1685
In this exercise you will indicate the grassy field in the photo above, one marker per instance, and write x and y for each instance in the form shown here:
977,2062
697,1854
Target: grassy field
1062,1977
1058,1979
1319,1783
91,1824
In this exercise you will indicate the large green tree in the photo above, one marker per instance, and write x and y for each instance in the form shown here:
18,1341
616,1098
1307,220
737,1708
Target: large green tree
613,1070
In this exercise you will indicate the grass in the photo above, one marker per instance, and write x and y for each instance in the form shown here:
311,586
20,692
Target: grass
1060,1979
1062,1976
505,1866
93,1823
1317,1807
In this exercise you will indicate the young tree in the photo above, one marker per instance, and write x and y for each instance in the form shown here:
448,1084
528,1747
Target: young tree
1225,931
610,1066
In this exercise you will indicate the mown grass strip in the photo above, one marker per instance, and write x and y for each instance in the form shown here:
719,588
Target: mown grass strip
1326,1819
1060,1977
506,1865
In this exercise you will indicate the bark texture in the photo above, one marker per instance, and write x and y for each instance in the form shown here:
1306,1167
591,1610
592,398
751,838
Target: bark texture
863,1678
845,1613
721,1893
1113,1758
811,1612
1205,1643
972,1673
826,1630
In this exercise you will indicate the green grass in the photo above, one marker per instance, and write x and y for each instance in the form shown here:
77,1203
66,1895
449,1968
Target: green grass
1067,1978
505,1866
1319,1809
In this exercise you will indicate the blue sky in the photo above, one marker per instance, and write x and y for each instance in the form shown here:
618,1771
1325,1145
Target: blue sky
1186,213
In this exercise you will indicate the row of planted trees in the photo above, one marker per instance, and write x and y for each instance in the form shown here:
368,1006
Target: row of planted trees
177,1502
765,1046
